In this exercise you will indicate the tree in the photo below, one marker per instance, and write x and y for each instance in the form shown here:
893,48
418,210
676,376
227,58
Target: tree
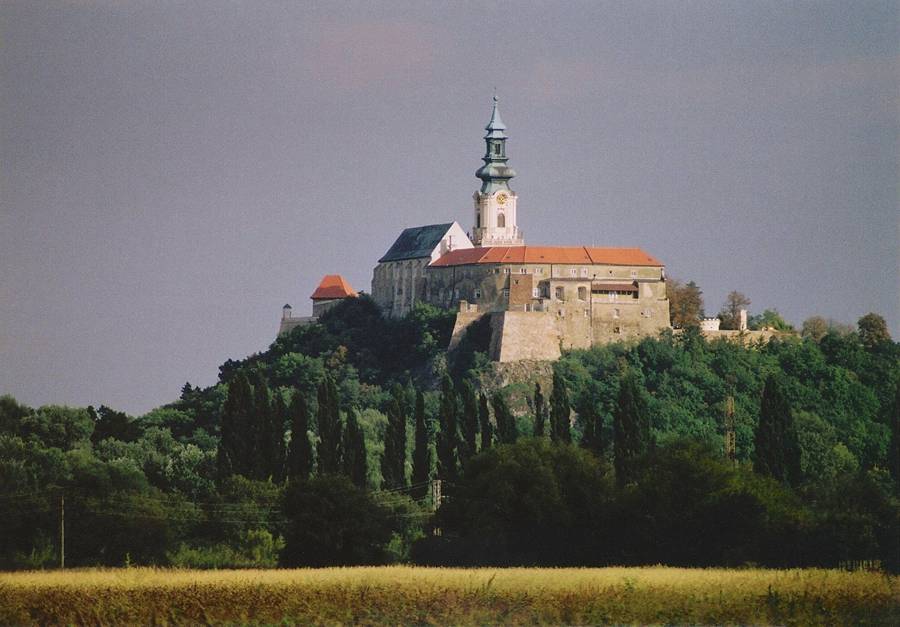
355,462
777,446
894,450
484,417
592,425
873,330
328,417
236,443
300,461
264,455
731,311
540,409
560,428
631,429
448,438
113,424
393,462
685,303
815,328
769,319
469,422
507,432
332,522
421,469
277,425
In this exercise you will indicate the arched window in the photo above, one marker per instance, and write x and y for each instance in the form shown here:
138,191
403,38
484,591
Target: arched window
478,220
501,221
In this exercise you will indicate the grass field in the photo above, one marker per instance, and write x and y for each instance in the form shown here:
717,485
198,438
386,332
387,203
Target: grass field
400,594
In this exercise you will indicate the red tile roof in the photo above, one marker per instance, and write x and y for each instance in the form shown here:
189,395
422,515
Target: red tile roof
333,286
548,254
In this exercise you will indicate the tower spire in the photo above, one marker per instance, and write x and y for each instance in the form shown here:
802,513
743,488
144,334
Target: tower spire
495,202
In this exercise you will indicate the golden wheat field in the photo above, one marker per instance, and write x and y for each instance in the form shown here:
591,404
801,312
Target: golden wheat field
400,594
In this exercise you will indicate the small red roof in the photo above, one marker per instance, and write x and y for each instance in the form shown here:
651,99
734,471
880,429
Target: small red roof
333,286
548,254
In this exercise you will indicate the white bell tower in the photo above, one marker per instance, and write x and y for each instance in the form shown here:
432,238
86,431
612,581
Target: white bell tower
495,203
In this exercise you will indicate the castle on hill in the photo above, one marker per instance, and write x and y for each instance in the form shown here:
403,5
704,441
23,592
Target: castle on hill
539,299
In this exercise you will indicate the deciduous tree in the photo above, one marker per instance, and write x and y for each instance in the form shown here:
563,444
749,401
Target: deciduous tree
731,311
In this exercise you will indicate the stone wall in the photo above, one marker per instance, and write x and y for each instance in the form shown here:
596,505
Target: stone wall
518,335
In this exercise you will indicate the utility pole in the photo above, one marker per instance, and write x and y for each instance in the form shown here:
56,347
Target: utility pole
62,531
730,439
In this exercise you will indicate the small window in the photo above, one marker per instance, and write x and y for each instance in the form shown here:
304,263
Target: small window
506,294
584,272
573,271
523,270
535,292
586,313
634,274
501,221
496,149
615,313
477,293
560,293
478,220
539,271
505,270
582,293
617,329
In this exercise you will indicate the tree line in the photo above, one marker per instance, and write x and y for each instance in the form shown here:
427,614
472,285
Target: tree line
311,453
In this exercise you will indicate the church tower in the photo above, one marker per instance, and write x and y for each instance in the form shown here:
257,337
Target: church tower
495,202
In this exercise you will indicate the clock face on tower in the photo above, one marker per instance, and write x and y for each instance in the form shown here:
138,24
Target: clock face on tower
501,198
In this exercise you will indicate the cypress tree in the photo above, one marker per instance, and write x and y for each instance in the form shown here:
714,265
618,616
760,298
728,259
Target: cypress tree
592,423
263,454
484,417
355,463
540,416
279,419
448,438
777,446
300,461
236,437
631,425
894,451
507,432
421,469
328,416
469,422
393,462
560,430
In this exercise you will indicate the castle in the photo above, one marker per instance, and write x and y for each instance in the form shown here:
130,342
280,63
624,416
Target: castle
540,299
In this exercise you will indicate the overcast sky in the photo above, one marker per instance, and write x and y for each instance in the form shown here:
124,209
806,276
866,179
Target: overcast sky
171,173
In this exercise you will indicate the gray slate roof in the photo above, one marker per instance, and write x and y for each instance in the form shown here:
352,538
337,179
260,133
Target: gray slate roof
416,242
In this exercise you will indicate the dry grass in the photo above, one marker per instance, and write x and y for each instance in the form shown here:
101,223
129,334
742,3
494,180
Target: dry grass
450,596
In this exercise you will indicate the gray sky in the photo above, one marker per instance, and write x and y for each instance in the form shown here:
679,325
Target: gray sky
171,173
